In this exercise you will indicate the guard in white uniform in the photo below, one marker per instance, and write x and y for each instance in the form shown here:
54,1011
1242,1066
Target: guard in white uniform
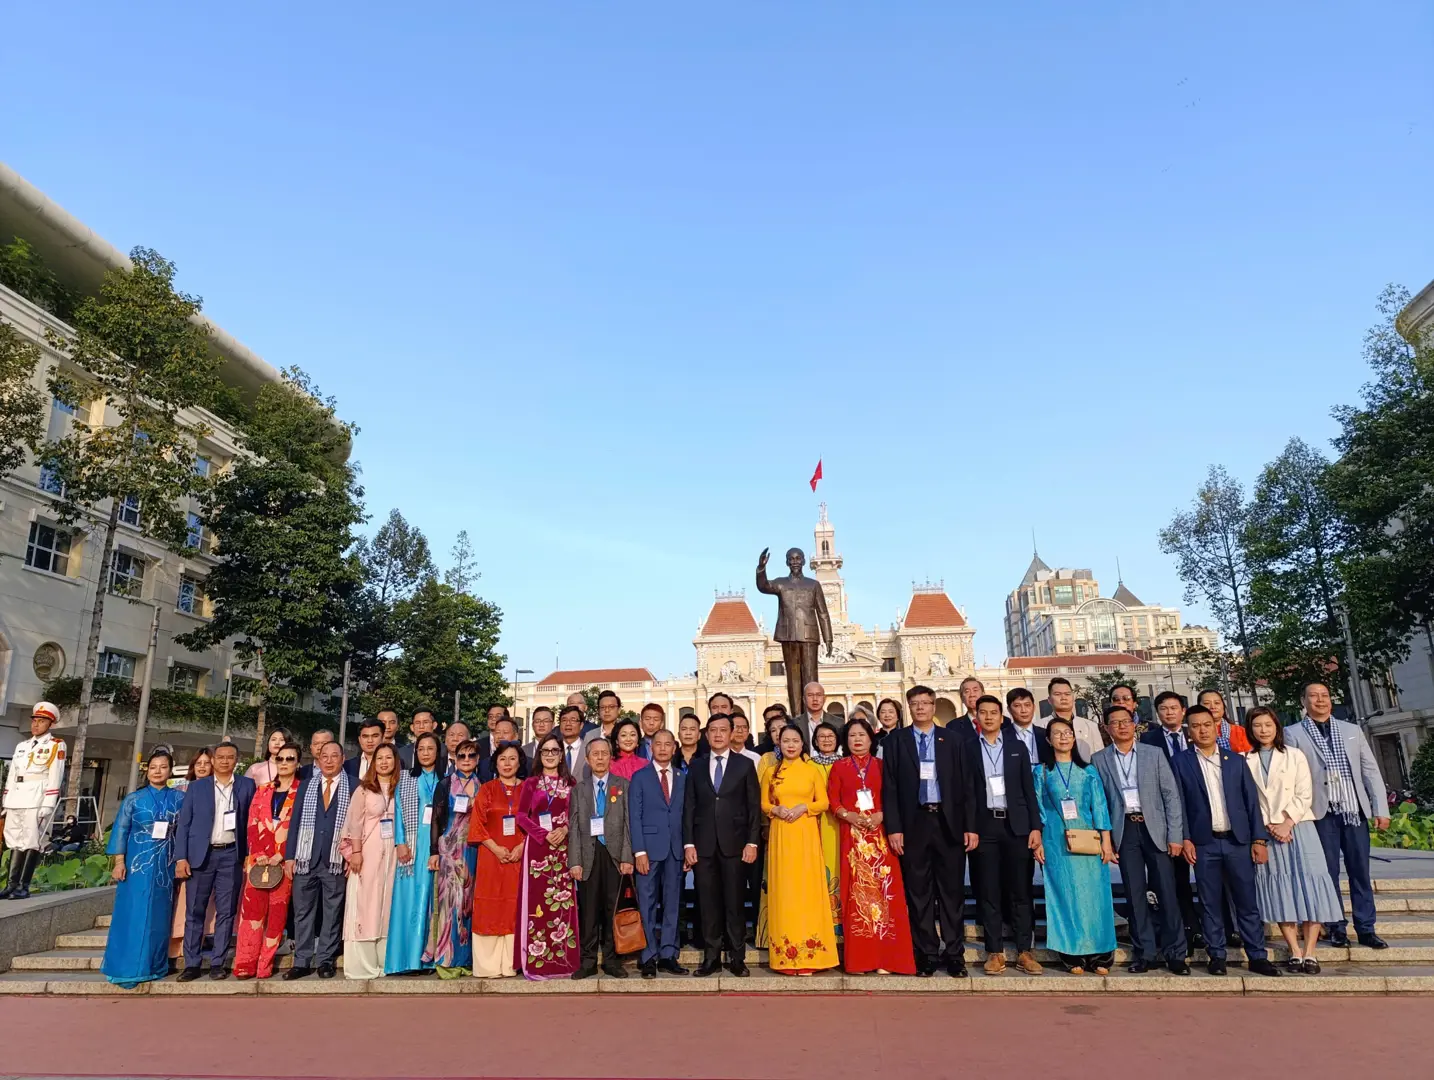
32,791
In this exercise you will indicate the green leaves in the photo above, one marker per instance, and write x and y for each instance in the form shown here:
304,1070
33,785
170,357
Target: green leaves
22,407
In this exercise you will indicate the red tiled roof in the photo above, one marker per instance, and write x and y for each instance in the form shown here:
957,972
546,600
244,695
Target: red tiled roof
730,617
932,609
1075,660
598,676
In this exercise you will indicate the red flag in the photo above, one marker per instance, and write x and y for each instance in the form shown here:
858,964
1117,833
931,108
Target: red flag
817,475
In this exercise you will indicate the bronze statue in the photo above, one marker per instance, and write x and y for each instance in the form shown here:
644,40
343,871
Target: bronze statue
802,621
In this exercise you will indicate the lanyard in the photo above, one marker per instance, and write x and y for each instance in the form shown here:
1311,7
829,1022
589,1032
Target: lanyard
1124,772
510,792
1065,777
986,750
861,770
229,798
1265,762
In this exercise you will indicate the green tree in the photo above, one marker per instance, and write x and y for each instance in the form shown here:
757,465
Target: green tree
1214,669
138,356
1291,540
285,516
1095,691
464,571
22,406
1205,541
1383,487
394,563
22,270
1421,773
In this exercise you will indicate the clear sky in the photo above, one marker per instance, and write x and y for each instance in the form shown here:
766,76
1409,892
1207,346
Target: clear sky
601,283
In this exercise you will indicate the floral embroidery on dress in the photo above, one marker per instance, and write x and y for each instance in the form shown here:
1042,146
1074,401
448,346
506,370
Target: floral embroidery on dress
809,949
871,899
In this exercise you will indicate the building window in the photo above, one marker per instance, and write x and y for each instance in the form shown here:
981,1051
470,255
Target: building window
888,663
195,537
776,667
184,678
191,596
117,664
48,549
50,480
202,465
129,510
1063,595
126,574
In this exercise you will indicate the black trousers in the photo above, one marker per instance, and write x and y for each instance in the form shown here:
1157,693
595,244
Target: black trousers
1144,866
597,900
755,872
1185,898
1007,866
318,915
934,870
721,881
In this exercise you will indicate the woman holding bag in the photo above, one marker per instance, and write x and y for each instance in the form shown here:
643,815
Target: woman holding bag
1075,826
264,902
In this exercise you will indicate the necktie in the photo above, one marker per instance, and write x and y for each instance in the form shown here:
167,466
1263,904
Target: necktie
570,757
666,791
717,779
601,809
328,792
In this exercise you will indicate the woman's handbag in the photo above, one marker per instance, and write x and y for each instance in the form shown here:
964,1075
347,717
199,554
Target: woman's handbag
1083,841
266,877
627,933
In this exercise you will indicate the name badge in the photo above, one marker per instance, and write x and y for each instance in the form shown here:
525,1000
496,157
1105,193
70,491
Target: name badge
1068,810
996,787
460,804
428,815
928,770
159,830
595,826
1132,800
231,820
510,825
385,828
545,822
864,802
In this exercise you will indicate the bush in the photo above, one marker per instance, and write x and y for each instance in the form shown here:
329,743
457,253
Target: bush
1421,773
1409,828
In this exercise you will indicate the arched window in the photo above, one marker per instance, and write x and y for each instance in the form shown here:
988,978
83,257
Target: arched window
826,548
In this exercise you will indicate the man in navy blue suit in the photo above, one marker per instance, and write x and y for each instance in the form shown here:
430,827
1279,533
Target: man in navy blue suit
1227,838
211,842
654,809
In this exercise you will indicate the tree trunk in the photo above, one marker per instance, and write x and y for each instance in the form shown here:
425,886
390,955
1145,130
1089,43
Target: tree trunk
1239,612
92,660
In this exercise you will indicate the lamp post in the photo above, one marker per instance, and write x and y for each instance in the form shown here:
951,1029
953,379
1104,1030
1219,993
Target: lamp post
142,716
516,672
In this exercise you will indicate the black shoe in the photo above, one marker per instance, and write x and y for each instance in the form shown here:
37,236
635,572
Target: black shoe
1234,941
1196,941
707,967
217,973
327,970
1262,967
1137,967
956,968
671,966
584,972
1372,940
1178,967
1339,939
739,969
290,975
189,974
1216,967
925,971
616,970
648,969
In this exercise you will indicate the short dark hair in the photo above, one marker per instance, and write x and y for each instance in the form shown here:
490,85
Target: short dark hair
991,699
506,715
1134,693
370,722
653,706
1305,688
1211,690
1197,710
571,709
1059,680
542,708
1168,695
969,679
160,752
417,769
857,722
894,704
827,725
1116,709
719,716
387,710
1017,694
919,689
780,710
721,694
609,694
626,721
1256,713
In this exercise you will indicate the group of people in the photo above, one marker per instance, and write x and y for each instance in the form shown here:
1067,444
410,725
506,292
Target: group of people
828,846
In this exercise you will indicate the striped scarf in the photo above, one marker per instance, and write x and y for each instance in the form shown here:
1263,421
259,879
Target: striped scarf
310,812
408,809
1342,796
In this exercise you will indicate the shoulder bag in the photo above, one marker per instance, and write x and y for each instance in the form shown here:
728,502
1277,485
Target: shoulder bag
1083,841
627,933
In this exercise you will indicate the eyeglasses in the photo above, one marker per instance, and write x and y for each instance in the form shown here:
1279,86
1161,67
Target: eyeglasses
552,750
291,760
470,756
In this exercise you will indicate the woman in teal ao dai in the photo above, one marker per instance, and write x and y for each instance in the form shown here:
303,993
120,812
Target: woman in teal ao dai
1080,917
142,843
413,883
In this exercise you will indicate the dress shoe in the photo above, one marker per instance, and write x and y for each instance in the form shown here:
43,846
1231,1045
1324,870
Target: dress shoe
739,969
1197,941
956,968
616,970
584,972
1262,967
1216,966
648,969
707,967
1372,940
1178,967
1137,967
327,970
1234,941
924,971
1029,964
290,975
671,966
1339,939
217,973
995,963
189,974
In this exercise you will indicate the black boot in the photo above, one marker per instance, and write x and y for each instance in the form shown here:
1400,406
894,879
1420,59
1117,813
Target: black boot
30,859
13,878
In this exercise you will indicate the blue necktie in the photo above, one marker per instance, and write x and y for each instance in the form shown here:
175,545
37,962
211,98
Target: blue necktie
717,780
602,807
571,751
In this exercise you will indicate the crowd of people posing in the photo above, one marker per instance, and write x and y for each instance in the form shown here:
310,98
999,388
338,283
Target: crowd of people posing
825,846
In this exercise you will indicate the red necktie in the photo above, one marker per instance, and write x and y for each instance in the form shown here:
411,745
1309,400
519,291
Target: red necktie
666,791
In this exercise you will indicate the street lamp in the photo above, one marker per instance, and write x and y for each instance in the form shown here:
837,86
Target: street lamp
516,672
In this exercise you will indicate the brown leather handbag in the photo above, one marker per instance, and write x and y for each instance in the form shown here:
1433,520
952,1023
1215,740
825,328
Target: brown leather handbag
627,932
266,877
1083,841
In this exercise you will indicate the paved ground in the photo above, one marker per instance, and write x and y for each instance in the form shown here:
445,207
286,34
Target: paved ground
728,1037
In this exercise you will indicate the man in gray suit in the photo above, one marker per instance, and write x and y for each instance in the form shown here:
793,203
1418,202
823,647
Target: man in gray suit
599,855
1147,823
1348,794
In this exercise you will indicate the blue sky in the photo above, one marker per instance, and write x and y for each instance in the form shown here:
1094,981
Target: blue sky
601,283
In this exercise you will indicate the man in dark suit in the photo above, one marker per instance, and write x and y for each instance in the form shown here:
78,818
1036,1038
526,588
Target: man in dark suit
312,862
504,731
421,723
1024,725
1169,735
316,743
1227,838
1008,821
370,738
929,807
211,842
599,856
721,823
655,801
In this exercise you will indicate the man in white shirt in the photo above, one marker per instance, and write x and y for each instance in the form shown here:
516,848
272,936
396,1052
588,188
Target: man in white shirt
971,690
1062,698
1169,735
